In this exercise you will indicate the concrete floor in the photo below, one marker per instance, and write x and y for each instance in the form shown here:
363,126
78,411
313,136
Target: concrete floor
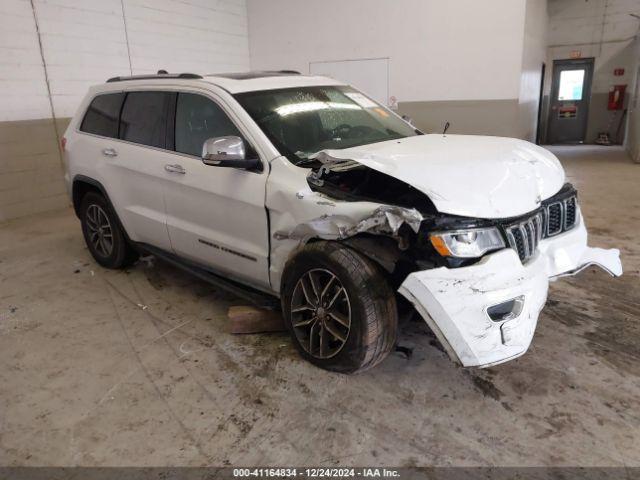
136,368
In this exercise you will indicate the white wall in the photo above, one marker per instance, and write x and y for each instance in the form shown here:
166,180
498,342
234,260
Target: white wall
84,42
87,41
30,168
533,56
23,91
437,50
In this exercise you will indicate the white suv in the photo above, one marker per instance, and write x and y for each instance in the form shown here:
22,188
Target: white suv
305,189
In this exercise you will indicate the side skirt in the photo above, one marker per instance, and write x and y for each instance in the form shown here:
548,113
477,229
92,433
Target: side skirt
252,295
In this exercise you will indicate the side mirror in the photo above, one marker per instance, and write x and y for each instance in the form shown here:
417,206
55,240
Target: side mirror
227,152
408,119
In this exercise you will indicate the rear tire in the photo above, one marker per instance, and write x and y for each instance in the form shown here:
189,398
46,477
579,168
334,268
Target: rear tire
339,308
102,233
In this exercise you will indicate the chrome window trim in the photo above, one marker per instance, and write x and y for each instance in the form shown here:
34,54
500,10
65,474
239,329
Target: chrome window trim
173,89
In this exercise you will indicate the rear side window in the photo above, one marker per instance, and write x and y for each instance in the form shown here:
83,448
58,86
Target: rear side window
198,119
102,115
144,118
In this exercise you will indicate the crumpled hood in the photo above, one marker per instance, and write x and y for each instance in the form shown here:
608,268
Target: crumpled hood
472,176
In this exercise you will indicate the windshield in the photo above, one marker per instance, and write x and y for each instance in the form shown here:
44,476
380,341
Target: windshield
302,121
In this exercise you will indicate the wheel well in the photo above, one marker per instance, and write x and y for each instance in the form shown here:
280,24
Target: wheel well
80,189
383,251
83,185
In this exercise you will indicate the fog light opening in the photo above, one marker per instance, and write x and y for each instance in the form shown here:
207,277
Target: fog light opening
506,310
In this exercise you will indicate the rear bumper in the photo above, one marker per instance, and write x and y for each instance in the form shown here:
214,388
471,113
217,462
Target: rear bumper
454,302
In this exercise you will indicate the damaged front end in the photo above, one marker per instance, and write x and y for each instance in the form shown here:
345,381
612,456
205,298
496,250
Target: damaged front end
483,305
486,313
381,217
384,220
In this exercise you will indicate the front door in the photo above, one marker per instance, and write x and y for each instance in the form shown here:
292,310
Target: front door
569,101
216,216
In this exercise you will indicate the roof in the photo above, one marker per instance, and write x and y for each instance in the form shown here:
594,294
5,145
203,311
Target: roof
239,82
258,74
254,81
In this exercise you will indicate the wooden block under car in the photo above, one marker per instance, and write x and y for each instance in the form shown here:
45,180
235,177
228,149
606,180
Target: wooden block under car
244,319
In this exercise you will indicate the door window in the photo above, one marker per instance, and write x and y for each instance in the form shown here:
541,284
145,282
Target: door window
144,118
102,115
571,85
198,119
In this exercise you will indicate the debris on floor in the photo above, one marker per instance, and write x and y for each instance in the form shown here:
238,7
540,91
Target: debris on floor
245,319
406,351
147,260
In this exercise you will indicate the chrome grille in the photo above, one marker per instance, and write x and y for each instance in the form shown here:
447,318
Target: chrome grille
570,215
525,236
560,216
554,218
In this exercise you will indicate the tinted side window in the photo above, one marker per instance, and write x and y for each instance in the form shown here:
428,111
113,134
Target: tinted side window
198,119
144,118
102,115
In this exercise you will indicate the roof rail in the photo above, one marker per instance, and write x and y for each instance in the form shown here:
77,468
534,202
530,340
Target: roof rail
157,76
294,72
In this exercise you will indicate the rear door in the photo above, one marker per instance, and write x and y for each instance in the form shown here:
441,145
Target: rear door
134,166
570,97
216,216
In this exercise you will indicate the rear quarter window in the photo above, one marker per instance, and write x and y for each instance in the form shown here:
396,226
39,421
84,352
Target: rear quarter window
102,115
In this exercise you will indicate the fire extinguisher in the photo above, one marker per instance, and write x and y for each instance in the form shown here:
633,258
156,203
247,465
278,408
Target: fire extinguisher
616,97
615,104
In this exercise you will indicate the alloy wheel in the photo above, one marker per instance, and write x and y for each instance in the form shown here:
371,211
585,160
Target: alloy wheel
99,229
320,313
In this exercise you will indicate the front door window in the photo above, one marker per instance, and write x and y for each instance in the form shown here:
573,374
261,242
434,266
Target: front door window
197,120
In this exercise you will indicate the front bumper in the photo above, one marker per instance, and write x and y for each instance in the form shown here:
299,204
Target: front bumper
454,302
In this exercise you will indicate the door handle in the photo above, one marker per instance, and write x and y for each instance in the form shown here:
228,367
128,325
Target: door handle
109,152
175,168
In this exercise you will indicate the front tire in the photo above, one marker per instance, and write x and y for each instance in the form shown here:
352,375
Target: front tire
102,233
339,308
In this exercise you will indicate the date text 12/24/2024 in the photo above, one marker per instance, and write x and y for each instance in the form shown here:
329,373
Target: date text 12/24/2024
315,473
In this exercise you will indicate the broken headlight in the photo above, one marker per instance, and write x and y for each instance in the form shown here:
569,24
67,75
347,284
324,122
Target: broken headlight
471,243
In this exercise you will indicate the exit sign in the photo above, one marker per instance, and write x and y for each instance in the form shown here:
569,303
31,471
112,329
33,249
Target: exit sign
618,72
576,54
